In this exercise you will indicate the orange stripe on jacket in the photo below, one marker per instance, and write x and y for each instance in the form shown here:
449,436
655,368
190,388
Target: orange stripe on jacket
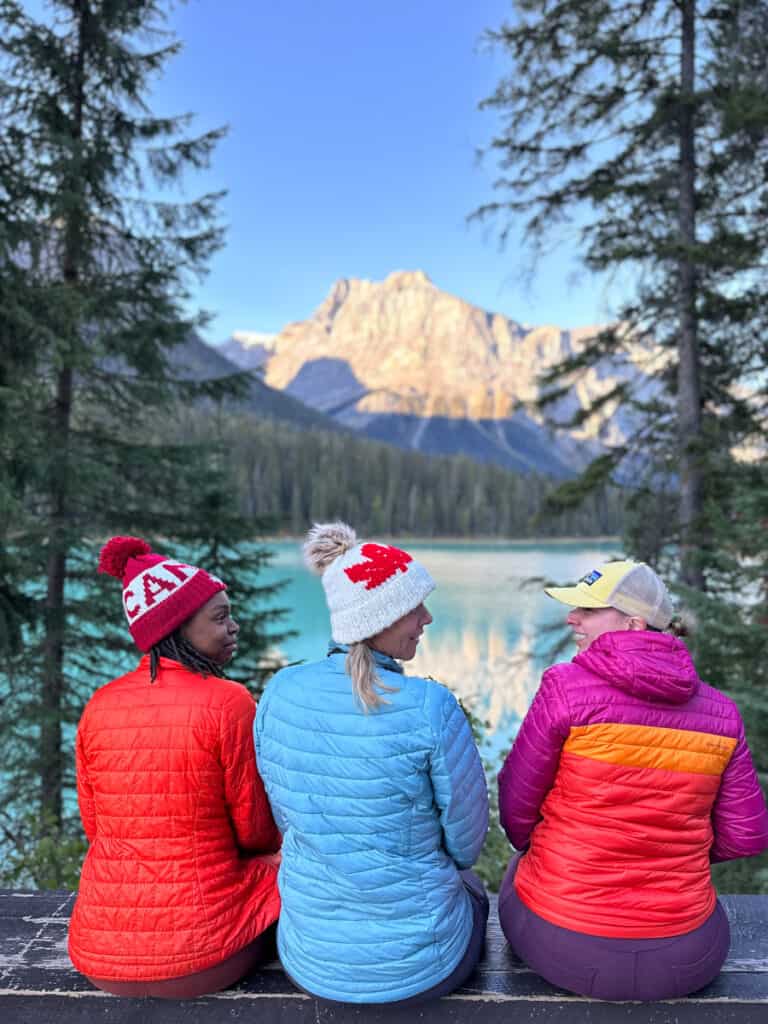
622,850
647,746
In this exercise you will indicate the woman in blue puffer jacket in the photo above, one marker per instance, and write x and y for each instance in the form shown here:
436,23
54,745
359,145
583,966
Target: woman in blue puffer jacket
376,784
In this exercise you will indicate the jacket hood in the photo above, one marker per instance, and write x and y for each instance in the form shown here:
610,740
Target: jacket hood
652,666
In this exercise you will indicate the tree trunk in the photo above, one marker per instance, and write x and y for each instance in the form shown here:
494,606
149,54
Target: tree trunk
51,755
688,379
51,697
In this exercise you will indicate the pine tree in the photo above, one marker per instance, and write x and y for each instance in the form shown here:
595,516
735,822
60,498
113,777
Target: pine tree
644,126
96,267
226,546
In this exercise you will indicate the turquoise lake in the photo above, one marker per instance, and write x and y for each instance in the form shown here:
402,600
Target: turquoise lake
493,633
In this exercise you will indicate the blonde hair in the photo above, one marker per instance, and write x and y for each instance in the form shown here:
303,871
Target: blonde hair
324,543
366,684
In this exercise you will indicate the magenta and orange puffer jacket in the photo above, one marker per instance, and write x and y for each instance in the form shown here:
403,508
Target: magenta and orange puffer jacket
178,876
629,775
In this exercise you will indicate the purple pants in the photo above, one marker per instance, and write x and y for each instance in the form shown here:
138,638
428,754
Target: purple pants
618,969
474,949
213,979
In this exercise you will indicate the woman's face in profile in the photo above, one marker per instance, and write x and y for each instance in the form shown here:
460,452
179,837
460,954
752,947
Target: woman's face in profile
590,623
212,630
401,639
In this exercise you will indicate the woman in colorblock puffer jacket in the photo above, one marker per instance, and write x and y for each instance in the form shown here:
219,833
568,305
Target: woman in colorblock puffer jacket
628,777
178,892
378,789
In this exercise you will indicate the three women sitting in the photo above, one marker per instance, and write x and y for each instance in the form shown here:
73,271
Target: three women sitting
627,777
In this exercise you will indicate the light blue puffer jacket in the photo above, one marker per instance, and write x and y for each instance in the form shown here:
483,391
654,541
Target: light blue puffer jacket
378,812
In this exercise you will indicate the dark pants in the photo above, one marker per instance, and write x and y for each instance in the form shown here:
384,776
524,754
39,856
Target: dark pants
465,966
618,969
213,979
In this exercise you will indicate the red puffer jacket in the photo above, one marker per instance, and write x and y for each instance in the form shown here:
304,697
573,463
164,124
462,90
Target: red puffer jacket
629,775
176,814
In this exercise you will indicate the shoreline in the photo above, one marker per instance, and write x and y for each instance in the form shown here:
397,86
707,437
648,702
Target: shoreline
486,541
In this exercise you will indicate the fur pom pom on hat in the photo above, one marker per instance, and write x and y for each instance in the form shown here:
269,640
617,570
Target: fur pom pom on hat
325,543
368,586
159,593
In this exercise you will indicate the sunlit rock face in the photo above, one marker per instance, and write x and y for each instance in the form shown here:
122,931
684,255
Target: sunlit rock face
375,352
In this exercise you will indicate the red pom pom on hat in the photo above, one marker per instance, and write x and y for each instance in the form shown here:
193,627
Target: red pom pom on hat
116,552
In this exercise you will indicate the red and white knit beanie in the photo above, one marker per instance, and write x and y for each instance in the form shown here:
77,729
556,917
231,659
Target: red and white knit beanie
159,593
367,586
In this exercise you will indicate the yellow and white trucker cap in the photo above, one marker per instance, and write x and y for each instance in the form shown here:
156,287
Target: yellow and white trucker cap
630,587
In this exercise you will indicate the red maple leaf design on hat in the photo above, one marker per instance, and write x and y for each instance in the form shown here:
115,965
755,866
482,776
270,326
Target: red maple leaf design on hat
382,562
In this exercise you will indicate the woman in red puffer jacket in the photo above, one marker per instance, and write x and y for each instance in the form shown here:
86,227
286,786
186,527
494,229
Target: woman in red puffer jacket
178,893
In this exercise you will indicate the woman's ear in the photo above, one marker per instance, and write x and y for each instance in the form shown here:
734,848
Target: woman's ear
635,622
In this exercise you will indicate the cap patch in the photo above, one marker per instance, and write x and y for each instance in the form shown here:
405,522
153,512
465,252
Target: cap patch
591,577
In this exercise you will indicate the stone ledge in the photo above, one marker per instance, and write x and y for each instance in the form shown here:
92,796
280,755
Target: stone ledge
38,984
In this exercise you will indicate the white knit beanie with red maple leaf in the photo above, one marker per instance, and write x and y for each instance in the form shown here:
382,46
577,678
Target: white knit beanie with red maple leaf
368,586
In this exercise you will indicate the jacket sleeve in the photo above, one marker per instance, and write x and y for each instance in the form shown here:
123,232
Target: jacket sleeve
739,815
84,788
249,810
531,765
458,782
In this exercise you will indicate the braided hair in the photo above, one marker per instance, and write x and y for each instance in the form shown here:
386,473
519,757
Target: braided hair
178,648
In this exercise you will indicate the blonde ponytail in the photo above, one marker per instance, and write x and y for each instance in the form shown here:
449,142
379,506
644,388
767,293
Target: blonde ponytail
366,684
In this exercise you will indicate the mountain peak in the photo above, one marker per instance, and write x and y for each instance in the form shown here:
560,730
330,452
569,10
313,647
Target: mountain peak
399,280
356,290
413,348
251,339
401,359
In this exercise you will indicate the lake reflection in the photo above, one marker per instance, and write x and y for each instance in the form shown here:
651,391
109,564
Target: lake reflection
492,634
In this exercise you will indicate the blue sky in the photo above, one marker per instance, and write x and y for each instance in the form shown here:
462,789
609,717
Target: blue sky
353,131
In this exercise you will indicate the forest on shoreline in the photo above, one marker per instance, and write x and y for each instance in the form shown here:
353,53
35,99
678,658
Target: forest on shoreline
291,478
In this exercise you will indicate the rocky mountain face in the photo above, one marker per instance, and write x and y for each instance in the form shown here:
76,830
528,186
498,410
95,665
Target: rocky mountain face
404,362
